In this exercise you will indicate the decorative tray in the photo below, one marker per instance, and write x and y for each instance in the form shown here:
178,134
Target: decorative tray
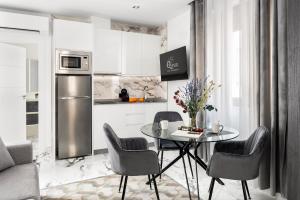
190,132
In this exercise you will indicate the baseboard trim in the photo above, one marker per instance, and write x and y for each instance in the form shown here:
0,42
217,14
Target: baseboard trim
100,151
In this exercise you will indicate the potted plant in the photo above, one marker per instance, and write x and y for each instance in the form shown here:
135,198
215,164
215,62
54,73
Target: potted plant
193,97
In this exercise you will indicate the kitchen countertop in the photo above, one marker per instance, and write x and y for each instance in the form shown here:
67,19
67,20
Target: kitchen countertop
118,101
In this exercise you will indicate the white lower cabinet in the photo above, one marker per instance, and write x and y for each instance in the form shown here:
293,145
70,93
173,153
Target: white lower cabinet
125,119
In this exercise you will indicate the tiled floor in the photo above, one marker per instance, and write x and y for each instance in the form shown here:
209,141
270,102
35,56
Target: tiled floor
54,173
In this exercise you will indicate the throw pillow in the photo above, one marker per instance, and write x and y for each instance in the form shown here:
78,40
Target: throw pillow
6,160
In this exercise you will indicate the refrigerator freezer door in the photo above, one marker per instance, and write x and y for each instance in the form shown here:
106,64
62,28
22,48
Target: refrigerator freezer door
73,86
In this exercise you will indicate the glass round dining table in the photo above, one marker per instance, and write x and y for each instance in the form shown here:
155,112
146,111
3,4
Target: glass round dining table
154,130
186,142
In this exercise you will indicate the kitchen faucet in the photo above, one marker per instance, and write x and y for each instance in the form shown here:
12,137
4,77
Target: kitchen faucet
145,92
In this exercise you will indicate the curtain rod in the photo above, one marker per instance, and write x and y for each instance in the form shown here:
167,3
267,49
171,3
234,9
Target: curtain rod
194,1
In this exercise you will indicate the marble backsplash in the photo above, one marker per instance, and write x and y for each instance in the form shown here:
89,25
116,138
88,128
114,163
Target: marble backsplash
109,87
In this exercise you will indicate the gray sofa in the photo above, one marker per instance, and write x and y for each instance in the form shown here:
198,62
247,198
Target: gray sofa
20,181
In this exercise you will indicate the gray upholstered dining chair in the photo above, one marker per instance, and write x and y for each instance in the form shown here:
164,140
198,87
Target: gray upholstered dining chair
165,145
238,160
131,157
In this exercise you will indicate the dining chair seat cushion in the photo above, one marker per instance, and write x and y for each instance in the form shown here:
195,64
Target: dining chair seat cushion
6,161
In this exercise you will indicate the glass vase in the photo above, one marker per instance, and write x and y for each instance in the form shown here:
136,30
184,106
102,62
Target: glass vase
192,121
200,119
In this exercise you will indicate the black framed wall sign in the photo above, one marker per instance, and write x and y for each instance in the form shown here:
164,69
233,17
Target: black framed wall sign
173,65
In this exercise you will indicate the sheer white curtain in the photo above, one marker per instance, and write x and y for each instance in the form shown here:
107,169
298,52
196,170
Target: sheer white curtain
230,45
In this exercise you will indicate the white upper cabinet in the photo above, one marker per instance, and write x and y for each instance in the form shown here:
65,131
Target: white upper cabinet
72,35
107,51
141,54
150,55
132,53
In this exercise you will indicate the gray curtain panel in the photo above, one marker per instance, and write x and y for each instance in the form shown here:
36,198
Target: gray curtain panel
197,39
197,55
293,152
271,40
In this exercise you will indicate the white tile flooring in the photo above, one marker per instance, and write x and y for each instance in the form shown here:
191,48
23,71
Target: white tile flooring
54,173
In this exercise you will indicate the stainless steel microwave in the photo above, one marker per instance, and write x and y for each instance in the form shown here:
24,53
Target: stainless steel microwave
73,62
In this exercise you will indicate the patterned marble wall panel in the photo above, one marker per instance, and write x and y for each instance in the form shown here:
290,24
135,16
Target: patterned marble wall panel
154,30
106,87
164,38
122,26
109,87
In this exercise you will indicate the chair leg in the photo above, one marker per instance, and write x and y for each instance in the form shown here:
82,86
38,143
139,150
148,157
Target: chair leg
149,179
247,189
244,190
124,188
161,161
120,186
155,186
190,165
211,188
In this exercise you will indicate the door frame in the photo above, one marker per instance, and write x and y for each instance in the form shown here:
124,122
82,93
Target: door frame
43,41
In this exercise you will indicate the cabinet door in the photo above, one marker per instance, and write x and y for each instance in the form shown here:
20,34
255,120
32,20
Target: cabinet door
132,45
150,55
72,35
134,119
125,119
111,114
107,51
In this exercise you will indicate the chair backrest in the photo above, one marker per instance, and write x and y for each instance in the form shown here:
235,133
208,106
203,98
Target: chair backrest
257,142
113,141
114,147
171,116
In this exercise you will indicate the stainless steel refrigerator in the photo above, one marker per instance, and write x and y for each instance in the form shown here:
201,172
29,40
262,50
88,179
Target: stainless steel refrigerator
73,116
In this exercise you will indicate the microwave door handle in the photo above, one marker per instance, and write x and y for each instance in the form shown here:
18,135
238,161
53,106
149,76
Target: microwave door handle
76,97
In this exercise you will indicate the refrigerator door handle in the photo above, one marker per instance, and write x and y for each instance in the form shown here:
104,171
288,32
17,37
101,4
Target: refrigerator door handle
77,97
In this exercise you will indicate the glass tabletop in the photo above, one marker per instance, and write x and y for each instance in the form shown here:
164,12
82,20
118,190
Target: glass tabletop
153,130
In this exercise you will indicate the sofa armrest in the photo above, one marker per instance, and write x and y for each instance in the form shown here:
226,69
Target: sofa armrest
21,153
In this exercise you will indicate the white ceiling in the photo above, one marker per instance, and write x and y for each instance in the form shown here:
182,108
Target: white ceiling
151,12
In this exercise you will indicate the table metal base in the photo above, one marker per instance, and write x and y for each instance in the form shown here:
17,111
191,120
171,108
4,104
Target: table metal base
185,149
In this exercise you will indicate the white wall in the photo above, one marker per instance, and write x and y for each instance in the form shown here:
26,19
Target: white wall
178,36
